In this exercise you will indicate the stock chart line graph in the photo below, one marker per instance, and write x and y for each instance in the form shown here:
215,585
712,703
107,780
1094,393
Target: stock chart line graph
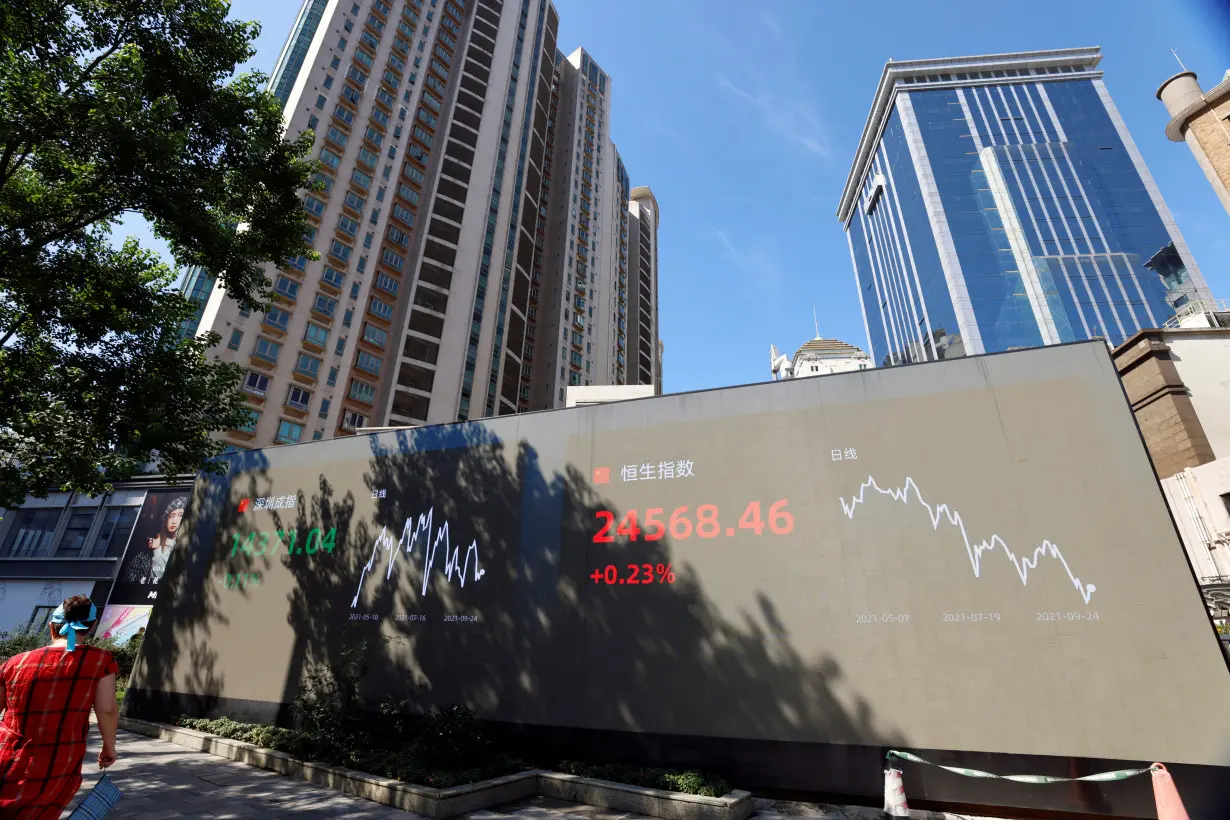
413,534
939,512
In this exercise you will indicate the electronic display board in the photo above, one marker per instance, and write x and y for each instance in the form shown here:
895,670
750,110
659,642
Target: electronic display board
969,555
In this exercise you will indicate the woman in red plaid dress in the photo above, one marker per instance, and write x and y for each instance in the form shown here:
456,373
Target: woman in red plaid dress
47,695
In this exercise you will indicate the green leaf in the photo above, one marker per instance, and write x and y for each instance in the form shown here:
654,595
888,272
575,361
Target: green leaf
110,107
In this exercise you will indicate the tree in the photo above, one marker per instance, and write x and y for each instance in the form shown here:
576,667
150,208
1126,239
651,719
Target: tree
110,107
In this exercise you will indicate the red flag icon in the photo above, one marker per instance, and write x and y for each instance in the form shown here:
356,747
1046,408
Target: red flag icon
602,475
244,504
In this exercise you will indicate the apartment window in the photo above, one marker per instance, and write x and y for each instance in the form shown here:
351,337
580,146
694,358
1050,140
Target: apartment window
313,206
287,287
116,528
362,391
379,116
374,335
353,421
368,158
414,174
308,365
341,346
329,158
407,193
357,74
420,134
249,426
325,305
362,56
316,334
349,25
289,432
344,114
320,102
347,317
404,215
392,258
387,283
32,532
299,398
355,201
268,349
328,83
382,309
385,97
361,179
236,338
347,225
367,240
333,276
332,380
276,317
324,408
340,250
368,362
362,266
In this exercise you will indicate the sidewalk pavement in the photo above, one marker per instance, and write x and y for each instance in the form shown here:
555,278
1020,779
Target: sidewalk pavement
162,781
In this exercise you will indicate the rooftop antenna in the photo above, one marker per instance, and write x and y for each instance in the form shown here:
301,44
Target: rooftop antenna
815,321
1176,56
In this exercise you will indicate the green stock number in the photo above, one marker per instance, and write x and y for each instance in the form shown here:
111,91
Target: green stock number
267,542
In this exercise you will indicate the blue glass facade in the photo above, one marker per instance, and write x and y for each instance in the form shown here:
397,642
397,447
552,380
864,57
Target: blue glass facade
197,286
1008,214
290,61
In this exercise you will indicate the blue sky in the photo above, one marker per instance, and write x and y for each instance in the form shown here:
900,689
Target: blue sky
744,124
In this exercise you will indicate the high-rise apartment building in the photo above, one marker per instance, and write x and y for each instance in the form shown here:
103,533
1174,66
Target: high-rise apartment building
440,161
999,202
587,292
1202,120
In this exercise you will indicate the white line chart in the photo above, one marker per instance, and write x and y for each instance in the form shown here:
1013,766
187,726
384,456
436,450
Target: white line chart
412,535
939,512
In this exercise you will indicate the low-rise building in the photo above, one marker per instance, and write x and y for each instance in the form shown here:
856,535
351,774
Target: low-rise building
1177,379
818,357
112,548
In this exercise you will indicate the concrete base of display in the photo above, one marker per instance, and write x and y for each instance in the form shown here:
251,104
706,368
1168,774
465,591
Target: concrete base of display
443,803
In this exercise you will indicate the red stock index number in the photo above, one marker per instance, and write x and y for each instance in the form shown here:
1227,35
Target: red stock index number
681,524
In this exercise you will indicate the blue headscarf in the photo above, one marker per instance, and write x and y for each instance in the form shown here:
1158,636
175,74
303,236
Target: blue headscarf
70,628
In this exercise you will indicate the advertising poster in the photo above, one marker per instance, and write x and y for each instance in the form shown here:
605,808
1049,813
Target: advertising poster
123,623
149,549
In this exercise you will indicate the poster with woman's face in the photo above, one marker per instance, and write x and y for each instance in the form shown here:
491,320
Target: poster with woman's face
149,549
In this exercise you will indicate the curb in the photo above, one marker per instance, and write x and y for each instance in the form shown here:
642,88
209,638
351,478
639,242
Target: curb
444,803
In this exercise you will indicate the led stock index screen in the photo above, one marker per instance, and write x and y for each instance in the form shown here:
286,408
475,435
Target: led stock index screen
968,555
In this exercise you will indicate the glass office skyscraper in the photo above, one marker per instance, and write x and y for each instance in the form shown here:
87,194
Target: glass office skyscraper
999,202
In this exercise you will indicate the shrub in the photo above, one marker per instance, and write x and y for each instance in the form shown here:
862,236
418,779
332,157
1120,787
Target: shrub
688,782
18,641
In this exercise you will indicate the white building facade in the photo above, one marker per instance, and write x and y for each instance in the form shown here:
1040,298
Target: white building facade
818,357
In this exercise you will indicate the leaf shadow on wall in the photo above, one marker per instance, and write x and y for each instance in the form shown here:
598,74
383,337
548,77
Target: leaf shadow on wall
176,655
532,642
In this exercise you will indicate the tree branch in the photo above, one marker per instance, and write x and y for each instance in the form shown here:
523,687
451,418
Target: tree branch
120,35
12,329
73,227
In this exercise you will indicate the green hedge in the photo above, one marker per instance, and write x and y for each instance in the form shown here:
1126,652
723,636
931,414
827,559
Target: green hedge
14,643
333,723
405,762
688,782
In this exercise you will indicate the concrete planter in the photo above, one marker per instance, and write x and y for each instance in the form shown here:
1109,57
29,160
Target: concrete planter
443,803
